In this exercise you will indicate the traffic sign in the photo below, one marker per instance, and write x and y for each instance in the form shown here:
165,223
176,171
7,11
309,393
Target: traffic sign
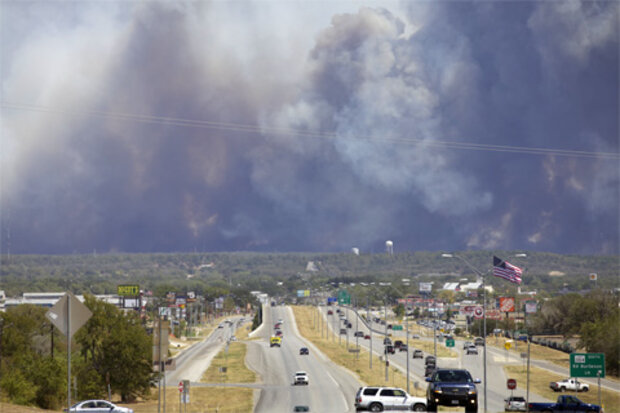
587,365
67,323
181,387
449,343
397,327
511,384
508,344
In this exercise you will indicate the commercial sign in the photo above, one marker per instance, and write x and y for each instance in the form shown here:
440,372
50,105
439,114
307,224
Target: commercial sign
478,312
531,307
587,365
426,287
507,304
300,293
494,314
128,290
593,276
468,310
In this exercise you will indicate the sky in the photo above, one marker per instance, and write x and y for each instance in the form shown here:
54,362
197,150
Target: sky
165,126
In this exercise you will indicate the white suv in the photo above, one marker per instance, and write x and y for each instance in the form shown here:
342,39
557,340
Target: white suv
378,399
301,377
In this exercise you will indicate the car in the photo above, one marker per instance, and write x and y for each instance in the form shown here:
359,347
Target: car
301,409
304,351
479,341
220,326
467,344
452,387
471,350
300,378
389,326
87,406
429,369
389,349
403,347
275,341
418,354
277,325
515,404
349,325
430,360
398,343
378,399
343,331
415,336
280,321
367,337
387,341
330,312
358,334
279,333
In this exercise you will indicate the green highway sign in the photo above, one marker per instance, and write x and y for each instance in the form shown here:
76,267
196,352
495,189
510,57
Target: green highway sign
397,327
449,343
344,297
587,365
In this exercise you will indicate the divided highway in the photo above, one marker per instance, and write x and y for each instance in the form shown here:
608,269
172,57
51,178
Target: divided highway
496,386
331,388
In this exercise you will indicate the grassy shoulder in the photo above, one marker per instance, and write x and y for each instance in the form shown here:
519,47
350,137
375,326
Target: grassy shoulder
202,399
358,363
538,352
228,366
539,384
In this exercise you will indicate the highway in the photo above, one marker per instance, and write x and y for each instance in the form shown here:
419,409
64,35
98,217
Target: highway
496,379
192,363
331,388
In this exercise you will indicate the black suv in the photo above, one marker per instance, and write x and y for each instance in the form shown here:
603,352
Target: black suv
451,387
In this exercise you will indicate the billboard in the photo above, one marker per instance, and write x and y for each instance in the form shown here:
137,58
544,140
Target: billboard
507,304
128,290
531,307
426,287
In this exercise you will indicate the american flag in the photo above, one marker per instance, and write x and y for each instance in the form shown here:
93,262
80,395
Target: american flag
506,271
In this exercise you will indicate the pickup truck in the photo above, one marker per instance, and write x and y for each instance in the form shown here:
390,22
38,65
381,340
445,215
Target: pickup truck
565,404
569,384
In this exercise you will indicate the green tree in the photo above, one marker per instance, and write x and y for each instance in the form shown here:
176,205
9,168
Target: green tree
115,345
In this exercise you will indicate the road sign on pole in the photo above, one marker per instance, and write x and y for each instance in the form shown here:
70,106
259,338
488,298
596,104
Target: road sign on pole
511,384
181,387
449,343
587,365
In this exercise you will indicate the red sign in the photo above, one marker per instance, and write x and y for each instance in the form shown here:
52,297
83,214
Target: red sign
507,304
478,313
494,315
180,387
511,384
468,310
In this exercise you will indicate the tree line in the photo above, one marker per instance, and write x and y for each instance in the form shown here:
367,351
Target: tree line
112,349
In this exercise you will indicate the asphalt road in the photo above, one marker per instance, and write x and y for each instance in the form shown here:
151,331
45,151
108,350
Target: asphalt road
331,388
496,379
192,363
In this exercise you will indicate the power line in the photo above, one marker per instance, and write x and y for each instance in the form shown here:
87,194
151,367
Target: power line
255,129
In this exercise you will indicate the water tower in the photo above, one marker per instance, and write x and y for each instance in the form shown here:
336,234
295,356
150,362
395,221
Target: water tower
389,247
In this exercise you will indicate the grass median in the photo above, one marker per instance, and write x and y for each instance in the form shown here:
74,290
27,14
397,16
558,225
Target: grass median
337,351
539,384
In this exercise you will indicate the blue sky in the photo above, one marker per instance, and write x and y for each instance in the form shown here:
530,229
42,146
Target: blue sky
309,126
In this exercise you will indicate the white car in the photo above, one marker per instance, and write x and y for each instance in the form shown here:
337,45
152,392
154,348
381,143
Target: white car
98,406
301,377
378,399
515,404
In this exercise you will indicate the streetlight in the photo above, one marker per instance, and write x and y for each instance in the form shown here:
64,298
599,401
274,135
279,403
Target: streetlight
484,313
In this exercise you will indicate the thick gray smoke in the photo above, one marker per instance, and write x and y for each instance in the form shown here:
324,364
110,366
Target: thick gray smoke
313,127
